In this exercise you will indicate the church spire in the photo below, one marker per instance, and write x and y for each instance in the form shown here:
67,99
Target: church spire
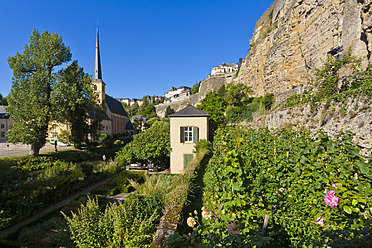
97,61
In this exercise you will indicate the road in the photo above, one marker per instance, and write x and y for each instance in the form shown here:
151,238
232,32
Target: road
20,149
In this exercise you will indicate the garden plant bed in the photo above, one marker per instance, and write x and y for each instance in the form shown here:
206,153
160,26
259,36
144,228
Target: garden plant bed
29,185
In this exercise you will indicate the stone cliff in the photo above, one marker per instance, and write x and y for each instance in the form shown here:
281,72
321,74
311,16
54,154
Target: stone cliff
292,38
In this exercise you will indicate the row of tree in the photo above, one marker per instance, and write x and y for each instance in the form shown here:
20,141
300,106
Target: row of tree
39,95
3,100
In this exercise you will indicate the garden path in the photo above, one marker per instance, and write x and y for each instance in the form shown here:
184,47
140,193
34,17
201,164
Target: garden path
119,197
45,211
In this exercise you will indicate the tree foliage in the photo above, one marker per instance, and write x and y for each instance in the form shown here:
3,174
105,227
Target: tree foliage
216,106
222,91
169,111
149,111
152,145
30,95
195,88
74,102
236,94
327,78
3,100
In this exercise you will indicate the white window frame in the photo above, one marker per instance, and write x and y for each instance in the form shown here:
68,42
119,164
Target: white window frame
188,134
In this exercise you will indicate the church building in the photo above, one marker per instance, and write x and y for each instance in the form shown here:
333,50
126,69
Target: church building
117,120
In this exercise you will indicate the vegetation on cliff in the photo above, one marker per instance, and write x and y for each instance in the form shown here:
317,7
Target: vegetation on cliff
329,86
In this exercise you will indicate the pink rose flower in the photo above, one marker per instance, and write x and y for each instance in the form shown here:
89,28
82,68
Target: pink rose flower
334,185
320,220
330,199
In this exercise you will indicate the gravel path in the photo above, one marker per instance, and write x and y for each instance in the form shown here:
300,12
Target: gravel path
45,211
8,149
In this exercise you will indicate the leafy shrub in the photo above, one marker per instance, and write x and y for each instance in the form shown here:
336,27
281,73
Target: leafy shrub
290,176
203,146
130,224
241,113
268,100
152,145
156,185
87,168
35,163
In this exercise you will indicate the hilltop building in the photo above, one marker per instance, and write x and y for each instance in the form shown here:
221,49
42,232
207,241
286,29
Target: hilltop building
177,94
226,69
150,99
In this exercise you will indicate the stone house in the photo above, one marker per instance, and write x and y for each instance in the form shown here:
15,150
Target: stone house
224,69
5,123
187,127
174,93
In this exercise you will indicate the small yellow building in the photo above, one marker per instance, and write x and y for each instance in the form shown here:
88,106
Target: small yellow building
5,123
187,127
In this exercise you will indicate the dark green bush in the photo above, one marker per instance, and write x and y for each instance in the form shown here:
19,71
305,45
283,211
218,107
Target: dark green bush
87,168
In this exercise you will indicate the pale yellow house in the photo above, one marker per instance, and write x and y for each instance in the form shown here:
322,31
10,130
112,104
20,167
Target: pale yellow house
5,123
187,127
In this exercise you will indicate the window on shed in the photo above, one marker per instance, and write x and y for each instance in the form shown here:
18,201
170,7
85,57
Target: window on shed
189,134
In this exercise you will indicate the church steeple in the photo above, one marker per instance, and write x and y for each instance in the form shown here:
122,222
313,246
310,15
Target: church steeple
97,76
97,61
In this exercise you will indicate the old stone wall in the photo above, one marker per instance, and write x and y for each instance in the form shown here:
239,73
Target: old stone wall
355,116
292,38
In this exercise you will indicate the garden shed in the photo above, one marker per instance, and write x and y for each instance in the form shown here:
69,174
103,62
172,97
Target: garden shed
187,127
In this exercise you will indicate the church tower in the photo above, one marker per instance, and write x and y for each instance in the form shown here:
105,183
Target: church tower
97,76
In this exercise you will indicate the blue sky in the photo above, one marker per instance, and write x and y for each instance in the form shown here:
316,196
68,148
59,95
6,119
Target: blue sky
146,46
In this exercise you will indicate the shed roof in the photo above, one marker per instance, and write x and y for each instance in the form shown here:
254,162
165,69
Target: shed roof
190,111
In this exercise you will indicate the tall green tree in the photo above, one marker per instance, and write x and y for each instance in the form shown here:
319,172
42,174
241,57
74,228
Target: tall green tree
30,96
169,111
195,88
216,107
236,94
149,111
3,100
74,102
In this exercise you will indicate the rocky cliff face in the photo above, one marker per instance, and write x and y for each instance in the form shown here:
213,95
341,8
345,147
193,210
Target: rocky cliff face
292,38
